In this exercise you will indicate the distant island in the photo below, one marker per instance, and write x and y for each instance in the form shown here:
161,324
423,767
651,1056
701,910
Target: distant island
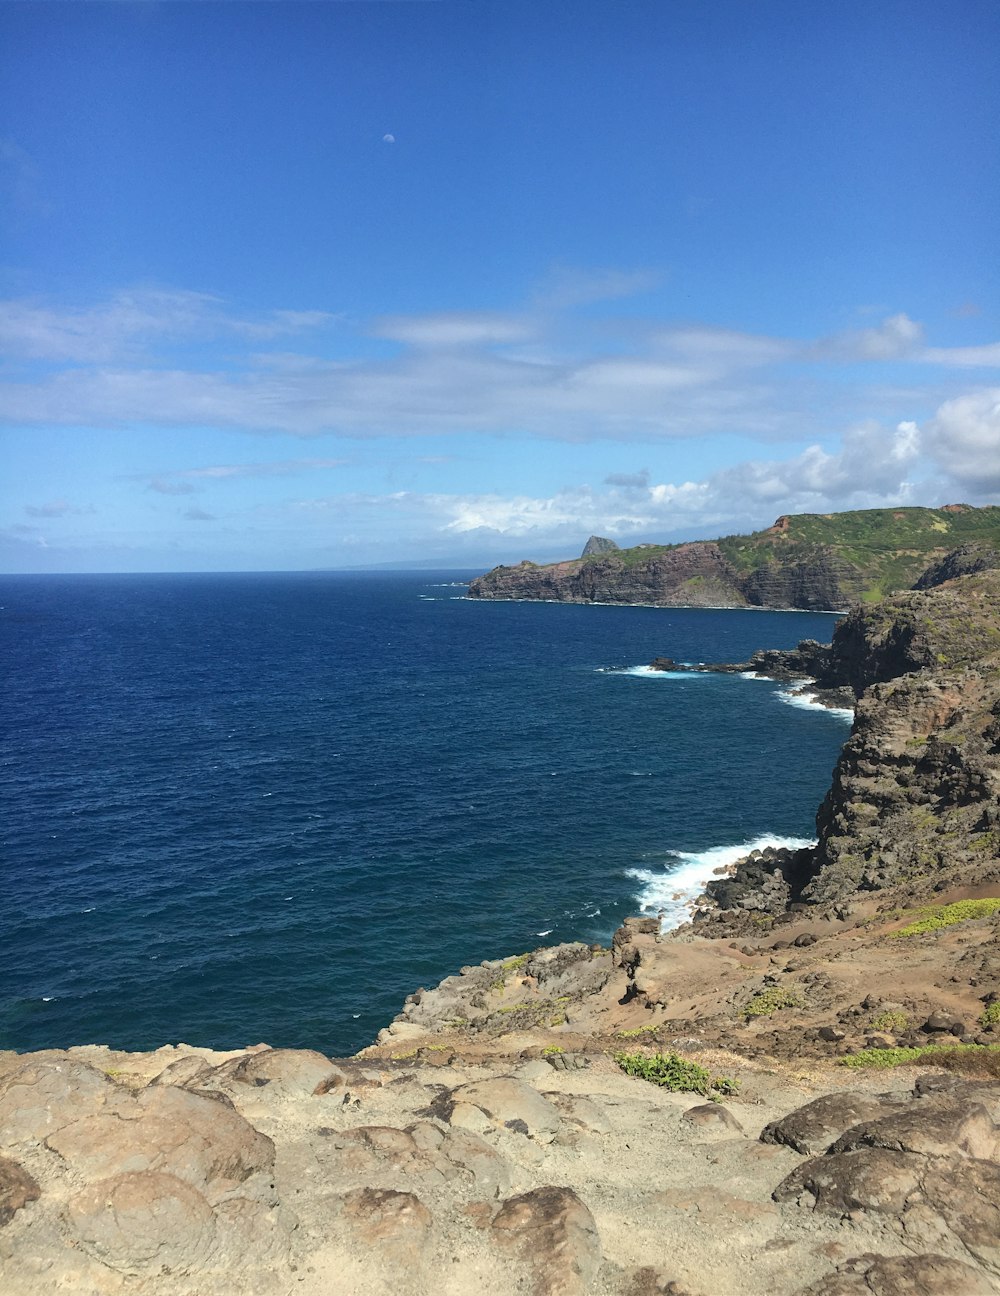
813,561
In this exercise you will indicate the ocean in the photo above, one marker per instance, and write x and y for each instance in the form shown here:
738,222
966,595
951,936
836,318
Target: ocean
267,807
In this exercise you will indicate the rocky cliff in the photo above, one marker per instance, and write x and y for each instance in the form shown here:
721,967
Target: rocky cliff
915,798
803,561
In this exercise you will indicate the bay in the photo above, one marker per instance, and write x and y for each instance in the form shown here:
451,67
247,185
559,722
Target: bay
268,806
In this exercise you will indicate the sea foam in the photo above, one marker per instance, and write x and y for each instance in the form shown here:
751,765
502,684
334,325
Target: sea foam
647,672
810,702
674,890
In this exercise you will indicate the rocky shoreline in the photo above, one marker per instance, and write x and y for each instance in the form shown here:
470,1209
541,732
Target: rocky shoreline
823,1037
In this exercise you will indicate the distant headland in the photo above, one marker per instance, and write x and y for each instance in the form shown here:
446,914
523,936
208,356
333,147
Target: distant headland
814,561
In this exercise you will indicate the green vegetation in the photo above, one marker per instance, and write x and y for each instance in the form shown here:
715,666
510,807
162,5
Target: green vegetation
770,1001
886,1059
990,1016
891,1020
507,968
934,917
639,1030
675,1073
549,1049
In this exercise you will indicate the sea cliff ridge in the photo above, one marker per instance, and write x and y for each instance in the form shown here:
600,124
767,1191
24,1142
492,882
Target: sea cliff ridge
823,1041
819,562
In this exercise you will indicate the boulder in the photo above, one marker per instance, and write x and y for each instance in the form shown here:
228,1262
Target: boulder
554,1233
510,1102
17,1188
944,1127
170,1130
186,1071
873,1179
712,1118
582,1111
967,1197
812,1128
396,1224
144,1223
41,1097
289,1073
911,1275
422,1154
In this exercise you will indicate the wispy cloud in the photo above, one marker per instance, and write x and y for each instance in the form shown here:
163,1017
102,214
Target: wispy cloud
897,337
567,286
553,373
130,322
181,481
454,329
56,509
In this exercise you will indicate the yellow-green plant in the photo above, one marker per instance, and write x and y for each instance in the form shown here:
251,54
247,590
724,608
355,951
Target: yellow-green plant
771,1000
670,1071
934,917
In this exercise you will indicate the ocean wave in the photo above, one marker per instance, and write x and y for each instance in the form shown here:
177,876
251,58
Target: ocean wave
673,891
807,701
647,672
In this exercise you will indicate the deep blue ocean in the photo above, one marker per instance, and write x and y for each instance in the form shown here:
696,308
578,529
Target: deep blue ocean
267,807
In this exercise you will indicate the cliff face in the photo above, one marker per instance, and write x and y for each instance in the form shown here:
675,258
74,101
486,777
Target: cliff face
806,561
944,626
916,793
692,575
915,799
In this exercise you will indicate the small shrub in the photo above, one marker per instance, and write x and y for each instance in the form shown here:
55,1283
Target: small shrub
938,1054
650,1029
670,1071
771,1000
934,917
549,1049
891,1020
990,1016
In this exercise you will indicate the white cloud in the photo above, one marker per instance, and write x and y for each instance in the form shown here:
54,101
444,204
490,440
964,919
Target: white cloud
454,329
129,321
974,357
964,438
180,481
567,286
872,467
896,338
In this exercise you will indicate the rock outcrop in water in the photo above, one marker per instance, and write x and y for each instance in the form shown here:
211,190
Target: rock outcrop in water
809,561
499,1136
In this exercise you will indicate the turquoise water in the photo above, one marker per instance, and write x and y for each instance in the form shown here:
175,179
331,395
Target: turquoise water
267,807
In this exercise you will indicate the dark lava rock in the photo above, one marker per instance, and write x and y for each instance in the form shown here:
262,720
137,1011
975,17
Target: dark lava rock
17,1188
812,1128
909,1275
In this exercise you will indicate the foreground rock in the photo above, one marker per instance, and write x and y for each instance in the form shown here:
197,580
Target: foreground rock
493,1173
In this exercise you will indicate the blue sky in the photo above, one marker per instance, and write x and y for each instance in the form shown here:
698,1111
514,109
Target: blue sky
317,285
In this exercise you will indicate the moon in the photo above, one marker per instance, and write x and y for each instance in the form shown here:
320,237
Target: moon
388,139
